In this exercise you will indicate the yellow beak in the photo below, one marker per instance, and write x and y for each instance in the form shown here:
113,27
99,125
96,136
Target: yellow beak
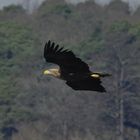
46,72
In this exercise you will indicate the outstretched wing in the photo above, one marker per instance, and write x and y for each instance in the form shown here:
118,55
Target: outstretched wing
88,83
67,61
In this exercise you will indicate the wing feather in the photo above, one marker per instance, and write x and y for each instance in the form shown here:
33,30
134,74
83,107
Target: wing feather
65,58
87,83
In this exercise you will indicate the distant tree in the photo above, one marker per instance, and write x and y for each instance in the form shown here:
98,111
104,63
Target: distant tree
14,9
123,46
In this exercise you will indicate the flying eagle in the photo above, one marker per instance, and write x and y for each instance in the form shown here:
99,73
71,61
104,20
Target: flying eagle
72,69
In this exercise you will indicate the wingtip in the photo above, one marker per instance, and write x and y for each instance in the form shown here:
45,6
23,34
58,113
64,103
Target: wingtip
49,41
102,89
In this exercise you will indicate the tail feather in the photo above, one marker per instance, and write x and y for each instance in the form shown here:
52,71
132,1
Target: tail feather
102,74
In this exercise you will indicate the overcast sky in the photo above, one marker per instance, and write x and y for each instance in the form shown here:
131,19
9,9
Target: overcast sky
133,4
7,2
25,3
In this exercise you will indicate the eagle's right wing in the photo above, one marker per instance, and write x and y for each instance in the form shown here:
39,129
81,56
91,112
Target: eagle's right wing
88,83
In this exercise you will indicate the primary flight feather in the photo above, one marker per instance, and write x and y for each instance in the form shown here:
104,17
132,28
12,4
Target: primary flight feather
72,69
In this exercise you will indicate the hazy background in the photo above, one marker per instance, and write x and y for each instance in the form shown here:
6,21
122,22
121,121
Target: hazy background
105,34
31,4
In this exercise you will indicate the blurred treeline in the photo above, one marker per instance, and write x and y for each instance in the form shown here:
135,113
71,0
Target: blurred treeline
35,107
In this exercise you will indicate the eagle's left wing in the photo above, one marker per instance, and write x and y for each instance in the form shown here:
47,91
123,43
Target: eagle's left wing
66,59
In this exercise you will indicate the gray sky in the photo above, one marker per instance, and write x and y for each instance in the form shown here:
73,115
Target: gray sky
103,2
7,2
133,4
30,4
75,1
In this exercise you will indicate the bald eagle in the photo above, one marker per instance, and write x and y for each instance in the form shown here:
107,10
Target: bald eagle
72,69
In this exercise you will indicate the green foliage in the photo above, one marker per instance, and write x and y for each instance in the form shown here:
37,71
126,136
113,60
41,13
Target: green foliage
14,9
135,30
121,26
62,9
17,44
124,26
56,9
91,46
94,44
17,38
